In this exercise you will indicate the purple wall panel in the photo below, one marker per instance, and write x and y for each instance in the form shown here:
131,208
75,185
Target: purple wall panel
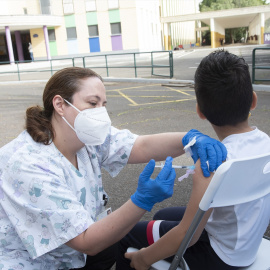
266,38
117,43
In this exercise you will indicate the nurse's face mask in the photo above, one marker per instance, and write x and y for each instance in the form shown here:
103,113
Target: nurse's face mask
91,125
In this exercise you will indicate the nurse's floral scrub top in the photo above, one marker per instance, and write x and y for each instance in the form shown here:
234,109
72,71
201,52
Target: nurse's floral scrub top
46,201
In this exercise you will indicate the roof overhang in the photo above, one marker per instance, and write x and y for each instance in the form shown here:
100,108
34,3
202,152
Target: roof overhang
26,22
228,18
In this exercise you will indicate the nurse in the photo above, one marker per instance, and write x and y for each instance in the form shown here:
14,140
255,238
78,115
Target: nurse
52,197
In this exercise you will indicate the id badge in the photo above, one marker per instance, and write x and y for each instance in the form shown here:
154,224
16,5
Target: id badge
104,213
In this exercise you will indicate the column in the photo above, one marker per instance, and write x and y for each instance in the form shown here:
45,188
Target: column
45,31
167,36
213,36
165,31
199,32
19,45
9,45
261,40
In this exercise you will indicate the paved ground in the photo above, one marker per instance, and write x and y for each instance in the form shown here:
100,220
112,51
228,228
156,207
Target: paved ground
142,108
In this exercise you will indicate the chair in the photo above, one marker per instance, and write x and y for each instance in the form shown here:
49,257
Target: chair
233,183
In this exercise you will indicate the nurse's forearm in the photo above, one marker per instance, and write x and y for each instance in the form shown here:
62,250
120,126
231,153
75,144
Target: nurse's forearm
157,146
107,231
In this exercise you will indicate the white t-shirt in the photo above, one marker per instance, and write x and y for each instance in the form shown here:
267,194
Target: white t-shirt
235,232
45,201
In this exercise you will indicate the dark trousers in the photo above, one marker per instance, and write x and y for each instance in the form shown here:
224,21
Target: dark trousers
199,256
102,261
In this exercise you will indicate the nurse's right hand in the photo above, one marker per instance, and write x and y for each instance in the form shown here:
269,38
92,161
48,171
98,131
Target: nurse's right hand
151,191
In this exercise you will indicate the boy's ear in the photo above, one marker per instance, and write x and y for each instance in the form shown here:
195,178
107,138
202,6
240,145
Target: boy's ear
201,115
254,101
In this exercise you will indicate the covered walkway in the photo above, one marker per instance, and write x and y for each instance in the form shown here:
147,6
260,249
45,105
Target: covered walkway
31,28
252,17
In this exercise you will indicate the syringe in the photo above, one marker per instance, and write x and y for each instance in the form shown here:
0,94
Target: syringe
192,167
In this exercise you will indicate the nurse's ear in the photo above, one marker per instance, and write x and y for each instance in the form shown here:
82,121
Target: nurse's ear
58,104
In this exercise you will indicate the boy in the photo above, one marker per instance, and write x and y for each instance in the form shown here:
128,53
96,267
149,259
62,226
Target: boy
228,237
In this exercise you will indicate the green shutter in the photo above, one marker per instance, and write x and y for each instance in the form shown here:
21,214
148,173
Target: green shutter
114,16
53,48
70,21
91,18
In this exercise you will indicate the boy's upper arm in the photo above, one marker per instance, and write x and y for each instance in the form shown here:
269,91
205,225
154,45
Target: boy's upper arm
175,236
200,184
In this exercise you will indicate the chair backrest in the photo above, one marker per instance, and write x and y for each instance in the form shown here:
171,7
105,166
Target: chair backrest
236,181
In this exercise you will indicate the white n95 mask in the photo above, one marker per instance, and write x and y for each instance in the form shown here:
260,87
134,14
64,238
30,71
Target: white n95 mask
91,125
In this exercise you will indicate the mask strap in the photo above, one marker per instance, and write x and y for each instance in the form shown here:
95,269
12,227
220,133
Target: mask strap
71,105
68,123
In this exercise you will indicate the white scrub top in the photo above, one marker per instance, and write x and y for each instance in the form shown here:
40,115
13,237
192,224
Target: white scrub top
45,201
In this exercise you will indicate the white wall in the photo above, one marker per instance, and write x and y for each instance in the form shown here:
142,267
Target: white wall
4,8
181,32
148,23
129,29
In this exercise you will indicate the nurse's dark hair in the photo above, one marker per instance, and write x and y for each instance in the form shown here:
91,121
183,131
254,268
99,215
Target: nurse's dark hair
65,82
223,88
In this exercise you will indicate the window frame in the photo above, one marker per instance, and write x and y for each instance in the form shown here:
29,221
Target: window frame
87,9
113,7
67,3
49,30
71,38
48,7
116,34
96,25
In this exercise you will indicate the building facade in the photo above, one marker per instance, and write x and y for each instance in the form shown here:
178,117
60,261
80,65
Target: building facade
71,27
179,33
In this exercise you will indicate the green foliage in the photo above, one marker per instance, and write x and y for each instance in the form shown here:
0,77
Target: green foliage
234,35
209,5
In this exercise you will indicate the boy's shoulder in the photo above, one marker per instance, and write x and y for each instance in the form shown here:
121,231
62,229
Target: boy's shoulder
247,144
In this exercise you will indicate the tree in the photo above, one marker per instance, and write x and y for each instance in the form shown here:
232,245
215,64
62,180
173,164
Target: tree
208,5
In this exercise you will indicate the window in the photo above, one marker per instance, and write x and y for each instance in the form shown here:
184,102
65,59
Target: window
93,30
71,33
45,6
113,4
68,6
51,34
90,5
116,28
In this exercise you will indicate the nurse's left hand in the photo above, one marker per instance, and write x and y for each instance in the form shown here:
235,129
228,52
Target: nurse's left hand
207,150
151,191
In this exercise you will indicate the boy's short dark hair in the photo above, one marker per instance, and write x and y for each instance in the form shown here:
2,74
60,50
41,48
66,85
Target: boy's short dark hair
223,88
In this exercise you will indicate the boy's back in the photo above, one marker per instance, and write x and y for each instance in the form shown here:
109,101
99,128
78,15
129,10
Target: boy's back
235,232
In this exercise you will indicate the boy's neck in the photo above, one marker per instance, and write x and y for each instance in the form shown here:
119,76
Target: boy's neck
225,131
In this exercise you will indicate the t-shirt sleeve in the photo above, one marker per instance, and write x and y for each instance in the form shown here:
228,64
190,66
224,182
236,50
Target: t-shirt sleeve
116,150
40,204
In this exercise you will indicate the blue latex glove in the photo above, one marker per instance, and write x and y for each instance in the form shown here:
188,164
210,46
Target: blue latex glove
151,191
206,149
